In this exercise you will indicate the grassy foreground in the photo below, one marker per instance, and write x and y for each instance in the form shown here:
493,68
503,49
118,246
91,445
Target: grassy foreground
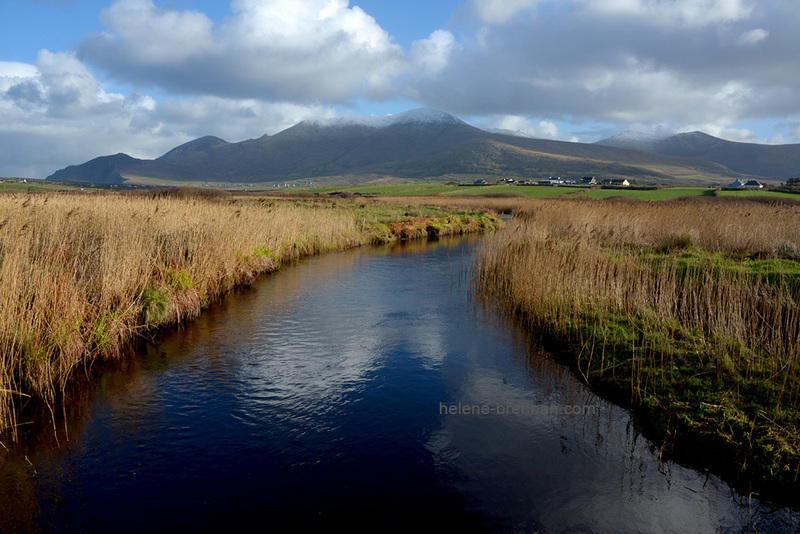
82,275
686,311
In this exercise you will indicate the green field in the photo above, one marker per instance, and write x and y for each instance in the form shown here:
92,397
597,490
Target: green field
666,193
202,184
39,185
531,191
760,193
386,190
448,190
427,188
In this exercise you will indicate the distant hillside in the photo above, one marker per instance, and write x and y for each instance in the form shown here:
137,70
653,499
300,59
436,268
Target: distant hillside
417,144
102,170
775,162
197,150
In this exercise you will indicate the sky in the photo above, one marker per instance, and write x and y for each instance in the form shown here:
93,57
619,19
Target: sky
86,78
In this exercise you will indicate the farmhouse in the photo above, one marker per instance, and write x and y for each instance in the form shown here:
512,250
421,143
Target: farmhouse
551,181
619,182
741,184
588,180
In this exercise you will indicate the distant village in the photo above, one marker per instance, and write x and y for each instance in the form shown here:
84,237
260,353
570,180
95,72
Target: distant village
584,181
588,181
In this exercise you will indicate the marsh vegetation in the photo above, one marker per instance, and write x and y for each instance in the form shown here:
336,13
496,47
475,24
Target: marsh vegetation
686,311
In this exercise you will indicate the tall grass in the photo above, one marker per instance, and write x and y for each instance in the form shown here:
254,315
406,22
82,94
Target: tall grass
81,275
687,309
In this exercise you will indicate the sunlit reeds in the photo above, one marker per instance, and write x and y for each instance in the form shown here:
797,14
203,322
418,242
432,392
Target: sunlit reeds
81,275
688,308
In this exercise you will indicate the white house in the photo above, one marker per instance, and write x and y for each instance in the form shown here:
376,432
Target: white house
551,181
616,181
741,184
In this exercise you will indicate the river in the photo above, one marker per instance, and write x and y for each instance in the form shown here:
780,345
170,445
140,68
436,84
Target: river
365,390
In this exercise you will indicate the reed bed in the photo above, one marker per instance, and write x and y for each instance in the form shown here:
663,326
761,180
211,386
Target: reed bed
687,311
81,275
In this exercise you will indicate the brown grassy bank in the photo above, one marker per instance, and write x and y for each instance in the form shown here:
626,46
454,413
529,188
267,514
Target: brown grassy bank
80,275
687,311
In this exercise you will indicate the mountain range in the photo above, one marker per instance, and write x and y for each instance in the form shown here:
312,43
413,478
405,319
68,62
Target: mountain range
772,162
431,144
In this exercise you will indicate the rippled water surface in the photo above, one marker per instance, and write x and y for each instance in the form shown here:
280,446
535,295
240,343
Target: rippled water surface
361,389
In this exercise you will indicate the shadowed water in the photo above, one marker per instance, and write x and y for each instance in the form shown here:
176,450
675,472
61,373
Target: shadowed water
361,389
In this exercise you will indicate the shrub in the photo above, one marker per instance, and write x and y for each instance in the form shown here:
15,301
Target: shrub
155,305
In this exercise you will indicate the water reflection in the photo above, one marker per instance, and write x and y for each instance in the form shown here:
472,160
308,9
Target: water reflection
336,392
551,471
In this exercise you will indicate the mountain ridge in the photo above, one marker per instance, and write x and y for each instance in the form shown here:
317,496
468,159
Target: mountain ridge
201,144
417,144
774,162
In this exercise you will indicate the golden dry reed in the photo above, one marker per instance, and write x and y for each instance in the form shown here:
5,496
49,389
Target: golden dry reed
563,257
81,275
685,305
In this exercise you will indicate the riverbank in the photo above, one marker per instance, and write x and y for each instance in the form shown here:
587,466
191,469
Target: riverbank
83,275
685,311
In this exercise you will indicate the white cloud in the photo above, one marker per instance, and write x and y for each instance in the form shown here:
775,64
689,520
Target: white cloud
753,37
69,89
58,86
431,55
545,129
142,33
11,69
686,13
500,11
519,123
298,50
58,114
623,61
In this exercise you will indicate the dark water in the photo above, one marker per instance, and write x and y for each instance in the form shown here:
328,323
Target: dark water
361,390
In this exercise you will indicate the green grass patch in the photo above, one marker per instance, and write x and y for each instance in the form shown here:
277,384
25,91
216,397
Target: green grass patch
424,189
782,267
179,280
265,252
39,186
701,405
388,190
99,336
155,305
530,191
665,193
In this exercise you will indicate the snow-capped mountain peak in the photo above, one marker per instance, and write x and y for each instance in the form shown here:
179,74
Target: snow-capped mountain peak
425,115
512,133
414,116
